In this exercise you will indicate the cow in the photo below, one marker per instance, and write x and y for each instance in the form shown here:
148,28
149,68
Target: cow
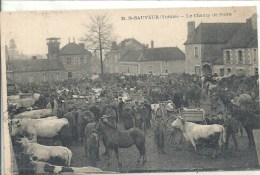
47,153
193,132
46,127
34,114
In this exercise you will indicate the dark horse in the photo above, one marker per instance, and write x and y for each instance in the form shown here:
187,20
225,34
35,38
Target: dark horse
248,120
115,139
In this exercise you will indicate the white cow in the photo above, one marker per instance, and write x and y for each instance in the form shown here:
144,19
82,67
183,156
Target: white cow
46,128
193,132
34,114
45,153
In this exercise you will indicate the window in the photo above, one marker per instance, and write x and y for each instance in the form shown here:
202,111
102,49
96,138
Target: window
256,71
221,72
229,71
57,76
196,52
44,76
69,75
254,55
240,72
166,71
81,61
69,62
150,69
197,70
228,57
240,57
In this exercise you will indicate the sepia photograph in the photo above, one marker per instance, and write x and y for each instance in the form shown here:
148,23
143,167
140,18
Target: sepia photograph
131,90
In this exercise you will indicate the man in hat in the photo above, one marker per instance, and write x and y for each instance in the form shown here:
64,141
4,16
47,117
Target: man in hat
159,135
120,108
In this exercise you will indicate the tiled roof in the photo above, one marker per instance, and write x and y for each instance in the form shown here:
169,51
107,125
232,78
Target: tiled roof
36,65
213,33
73,49
153,54
246,37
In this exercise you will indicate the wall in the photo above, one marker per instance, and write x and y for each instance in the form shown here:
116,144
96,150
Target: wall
129,68
250,61
190,60
37,77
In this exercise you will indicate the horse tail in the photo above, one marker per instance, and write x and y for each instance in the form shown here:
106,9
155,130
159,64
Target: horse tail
223,136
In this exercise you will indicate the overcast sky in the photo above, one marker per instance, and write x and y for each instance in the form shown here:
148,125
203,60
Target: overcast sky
30,29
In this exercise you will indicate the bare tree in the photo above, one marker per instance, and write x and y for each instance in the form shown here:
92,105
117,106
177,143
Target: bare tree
12,45
99,35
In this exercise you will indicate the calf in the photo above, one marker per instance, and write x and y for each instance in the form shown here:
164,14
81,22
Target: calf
46,153
193,132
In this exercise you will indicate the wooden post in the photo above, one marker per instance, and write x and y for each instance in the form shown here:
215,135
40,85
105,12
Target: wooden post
256,133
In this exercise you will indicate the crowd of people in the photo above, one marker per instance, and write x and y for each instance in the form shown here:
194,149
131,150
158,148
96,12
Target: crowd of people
74,98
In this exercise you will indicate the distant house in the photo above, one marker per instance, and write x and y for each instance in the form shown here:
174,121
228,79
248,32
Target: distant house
36,70
111,62
153,61
210,45
241,52
71,61
76,60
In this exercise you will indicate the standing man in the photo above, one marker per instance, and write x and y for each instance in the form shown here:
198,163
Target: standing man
159,135
120,109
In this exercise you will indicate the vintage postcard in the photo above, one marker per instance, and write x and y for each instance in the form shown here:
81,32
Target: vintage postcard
137,90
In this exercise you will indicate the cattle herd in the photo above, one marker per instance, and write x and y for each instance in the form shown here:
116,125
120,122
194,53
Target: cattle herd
96,110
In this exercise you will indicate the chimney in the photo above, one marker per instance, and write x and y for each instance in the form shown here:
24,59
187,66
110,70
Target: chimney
252,21
191,28
152,44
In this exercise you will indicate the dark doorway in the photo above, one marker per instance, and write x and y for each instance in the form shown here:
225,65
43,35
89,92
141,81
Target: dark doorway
69,75
207,70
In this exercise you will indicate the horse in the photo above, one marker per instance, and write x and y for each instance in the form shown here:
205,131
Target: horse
225,96
115,139
248,120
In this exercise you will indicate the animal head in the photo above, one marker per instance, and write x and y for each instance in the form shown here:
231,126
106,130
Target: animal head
179,123
24,141
15,127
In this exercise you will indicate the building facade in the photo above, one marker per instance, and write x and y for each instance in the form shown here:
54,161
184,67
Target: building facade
222,48
111,62
158,61
71,61
241,53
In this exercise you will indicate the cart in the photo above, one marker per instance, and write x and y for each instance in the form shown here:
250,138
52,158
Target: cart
174,136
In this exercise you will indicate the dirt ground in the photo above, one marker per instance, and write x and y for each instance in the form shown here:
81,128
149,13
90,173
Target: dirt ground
177,158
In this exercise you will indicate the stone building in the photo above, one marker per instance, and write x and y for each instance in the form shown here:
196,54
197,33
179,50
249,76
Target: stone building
159,61
71,61
209,44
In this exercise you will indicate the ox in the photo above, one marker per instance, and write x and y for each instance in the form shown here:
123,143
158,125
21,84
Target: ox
46,153
34,114
193,132
31,165
41,127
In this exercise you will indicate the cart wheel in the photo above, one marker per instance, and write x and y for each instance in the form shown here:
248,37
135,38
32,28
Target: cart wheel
173,135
